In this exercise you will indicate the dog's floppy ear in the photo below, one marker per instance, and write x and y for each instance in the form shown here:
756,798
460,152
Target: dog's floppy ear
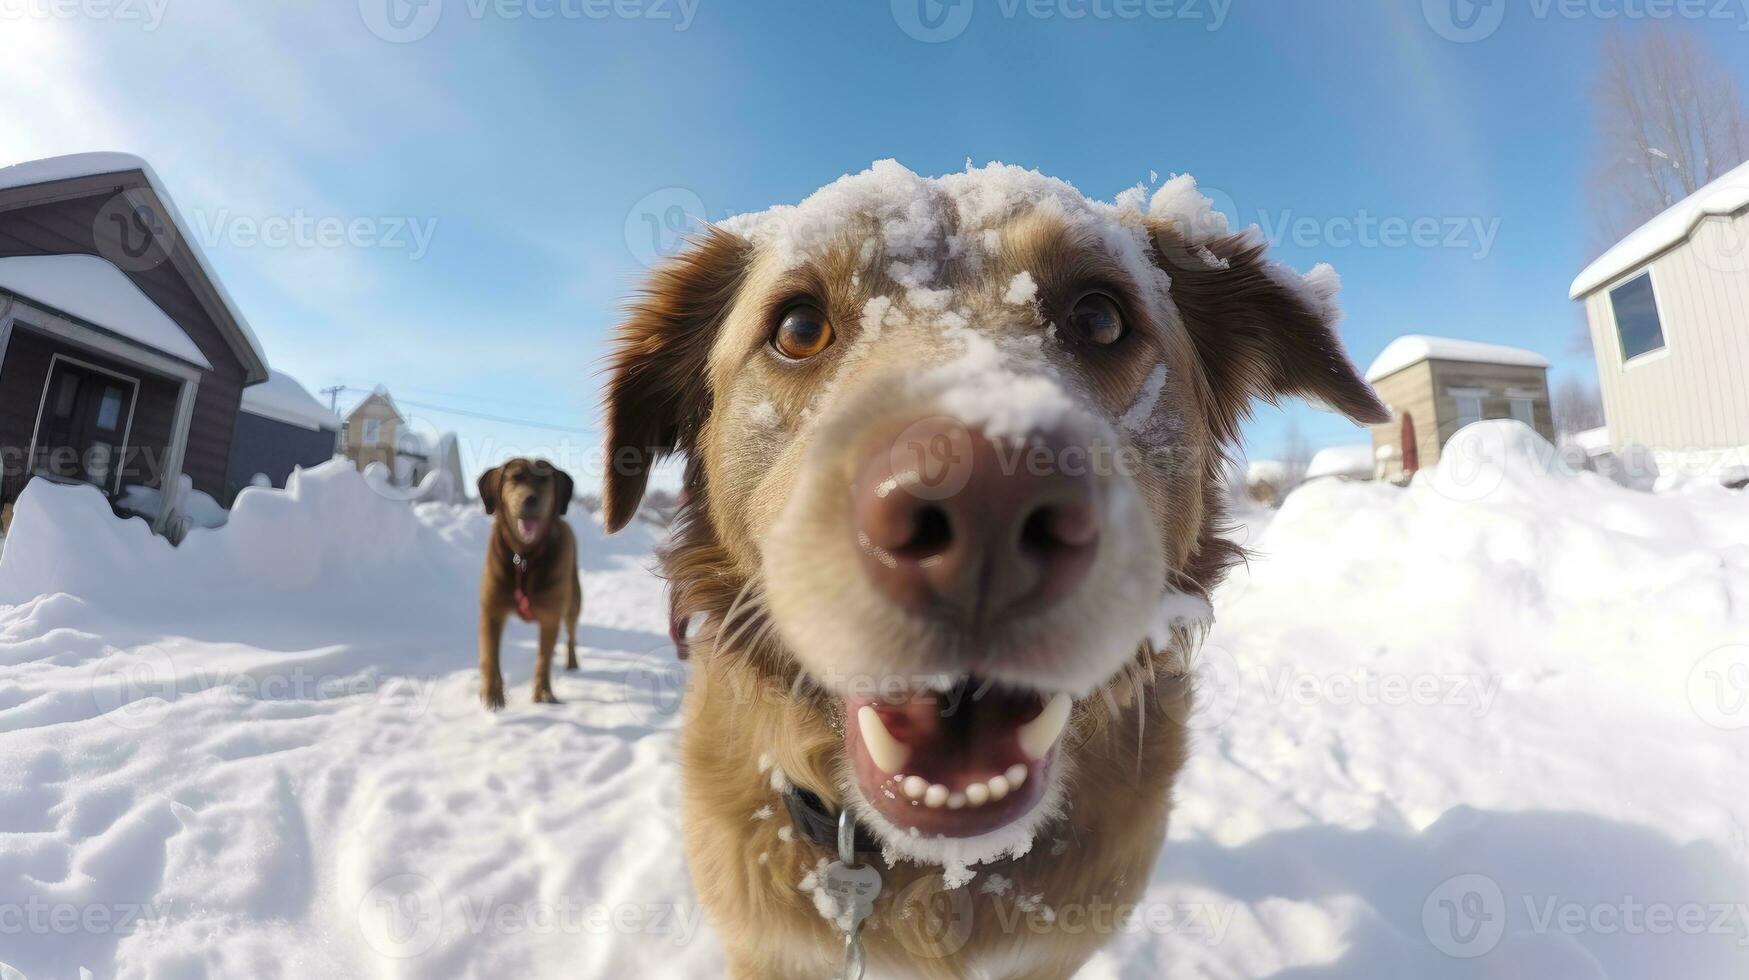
490,481
563,489
1260,329
658,395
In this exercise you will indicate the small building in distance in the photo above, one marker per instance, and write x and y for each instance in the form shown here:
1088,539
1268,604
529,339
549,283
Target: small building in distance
1435,386
1668,308
279,428
372,431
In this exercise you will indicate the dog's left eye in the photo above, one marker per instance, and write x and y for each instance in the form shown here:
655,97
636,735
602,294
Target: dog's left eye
802,332
1097,319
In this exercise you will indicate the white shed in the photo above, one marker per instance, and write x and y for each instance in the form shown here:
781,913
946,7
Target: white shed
1668,308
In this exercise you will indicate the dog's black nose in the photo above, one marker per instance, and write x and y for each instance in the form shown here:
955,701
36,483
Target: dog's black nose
950,522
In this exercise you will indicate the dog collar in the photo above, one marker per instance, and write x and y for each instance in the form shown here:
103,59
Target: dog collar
819,825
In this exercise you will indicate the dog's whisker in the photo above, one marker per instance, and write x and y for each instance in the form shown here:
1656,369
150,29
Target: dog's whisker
749,587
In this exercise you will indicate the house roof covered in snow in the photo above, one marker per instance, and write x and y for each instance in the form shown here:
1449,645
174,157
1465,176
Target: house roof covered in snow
282,399
94,290
1414,348
130,172
1350,461
1724,197
1265,471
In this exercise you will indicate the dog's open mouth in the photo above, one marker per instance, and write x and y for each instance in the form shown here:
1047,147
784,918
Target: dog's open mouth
530,529
957,762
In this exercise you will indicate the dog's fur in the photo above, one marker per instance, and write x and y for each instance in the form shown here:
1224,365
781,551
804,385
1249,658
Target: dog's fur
526,488
761,562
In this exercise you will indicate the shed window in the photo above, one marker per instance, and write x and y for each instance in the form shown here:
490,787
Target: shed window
1636,316
1522,411
1469,409
372,431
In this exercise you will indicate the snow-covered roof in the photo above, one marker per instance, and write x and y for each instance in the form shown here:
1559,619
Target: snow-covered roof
1404,351
1593,441
282,399
1351,461
79,165
1725,196
1265,471
94,290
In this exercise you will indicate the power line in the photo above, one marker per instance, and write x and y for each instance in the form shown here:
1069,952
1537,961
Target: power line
488,417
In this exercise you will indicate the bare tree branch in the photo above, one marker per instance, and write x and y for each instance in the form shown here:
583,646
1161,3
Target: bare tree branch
1669,121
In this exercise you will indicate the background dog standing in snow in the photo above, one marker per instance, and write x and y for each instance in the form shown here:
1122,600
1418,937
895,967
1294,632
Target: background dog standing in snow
531,570
955,448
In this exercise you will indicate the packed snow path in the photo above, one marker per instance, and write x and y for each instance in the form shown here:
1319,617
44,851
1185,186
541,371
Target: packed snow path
1493,727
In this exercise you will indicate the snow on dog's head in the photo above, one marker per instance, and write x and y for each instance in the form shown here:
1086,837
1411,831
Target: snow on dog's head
961,438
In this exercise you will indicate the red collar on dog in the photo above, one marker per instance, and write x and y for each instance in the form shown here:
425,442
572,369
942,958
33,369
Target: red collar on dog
524,608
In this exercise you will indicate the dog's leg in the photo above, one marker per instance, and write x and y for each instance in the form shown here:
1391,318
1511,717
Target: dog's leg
571,617
543,665
491,678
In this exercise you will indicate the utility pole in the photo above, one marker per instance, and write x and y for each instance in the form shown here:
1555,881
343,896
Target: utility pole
333,394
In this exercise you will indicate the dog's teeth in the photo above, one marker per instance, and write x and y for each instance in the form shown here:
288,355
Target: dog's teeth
977,794
915,787
998,787
935,796
1016,775
956,801
1038,735
888,753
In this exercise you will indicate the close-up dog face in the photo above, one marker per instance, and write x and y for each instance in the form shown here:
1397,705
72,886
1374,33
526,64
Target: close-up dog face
529,494
963,458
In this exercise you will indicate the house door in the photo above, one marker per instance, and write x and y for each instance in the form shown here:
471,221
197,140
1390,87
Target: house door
1411,452
83,430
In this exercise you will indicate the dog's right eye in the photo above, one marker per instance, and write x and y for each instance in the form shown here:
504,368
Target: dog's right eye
802,332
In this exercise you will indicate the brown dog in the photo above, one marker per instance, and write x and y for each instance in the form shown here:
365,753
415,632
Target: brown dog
955,453
531,570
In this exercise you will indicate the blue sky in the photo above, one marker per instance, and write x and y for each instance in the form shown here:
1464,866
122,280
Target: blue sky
504,169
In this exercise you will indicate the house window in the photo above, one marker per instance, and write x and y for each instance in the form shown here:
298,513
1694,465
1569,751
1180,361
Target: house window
1636,316
1469,409
1523,411
372,431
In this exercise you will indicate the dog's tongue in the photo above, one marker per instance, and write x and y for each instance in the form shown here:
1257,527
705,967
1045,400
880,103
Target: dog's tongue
956,763
528,529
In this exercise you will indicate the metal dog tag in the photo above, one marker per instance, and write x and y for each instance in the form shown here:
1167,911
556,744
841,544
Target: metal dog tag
855,888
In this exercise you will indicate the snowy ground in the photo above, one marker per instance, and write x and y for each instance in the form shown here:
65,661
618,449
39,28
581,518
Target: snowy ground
1494,725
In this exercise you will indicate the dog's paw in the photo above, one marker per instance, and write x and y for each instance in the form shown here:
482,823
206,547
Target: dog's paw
545,697
492,697
571,663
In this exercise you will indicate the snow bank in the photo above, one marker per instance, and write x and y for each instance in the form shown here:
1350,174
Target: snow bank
329,548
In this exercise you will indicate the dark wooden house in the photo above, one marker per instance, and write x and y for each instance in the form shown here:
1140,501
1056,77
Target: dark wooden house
122,359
